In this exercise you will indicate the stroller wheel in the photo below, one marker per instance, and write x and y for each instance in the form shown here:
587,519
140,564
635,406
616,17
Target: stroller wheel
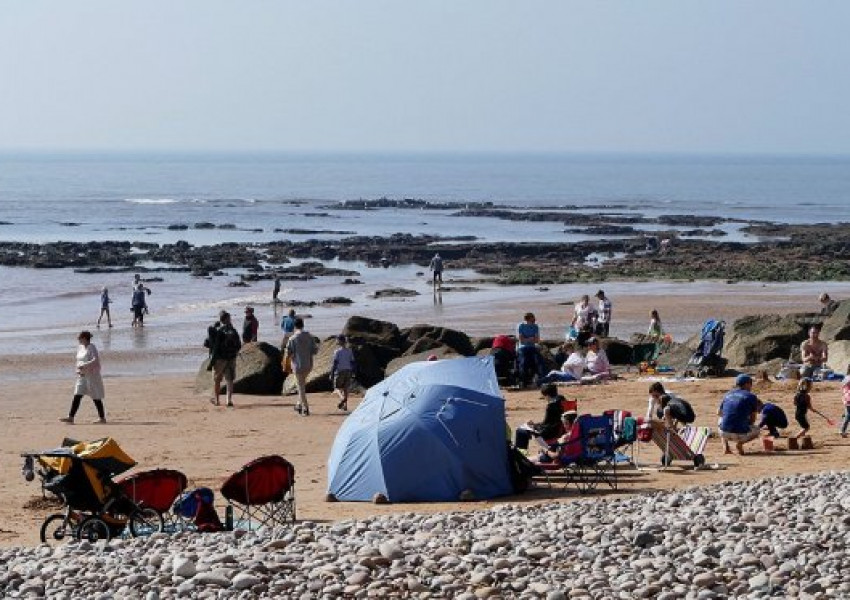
145,521
666,460
55,529
93,529
699,460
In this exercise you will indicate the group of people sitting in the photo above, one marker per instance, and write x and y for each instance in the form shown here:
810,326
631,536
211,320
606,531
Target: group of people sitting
585,363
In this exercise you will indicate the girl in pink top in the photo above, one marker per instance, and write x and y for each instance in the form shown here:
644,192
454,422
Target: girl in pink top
845,391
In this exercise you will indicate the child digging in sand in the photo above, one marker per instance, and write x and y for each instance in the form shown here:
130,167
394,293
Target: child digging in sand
802,405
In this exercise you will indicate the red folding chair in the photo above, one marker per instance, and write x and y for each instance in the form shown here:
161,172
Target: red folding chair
261,494
157,489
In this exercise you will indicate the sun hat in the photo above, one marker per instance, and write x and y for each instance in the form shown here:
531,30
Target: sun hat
742,380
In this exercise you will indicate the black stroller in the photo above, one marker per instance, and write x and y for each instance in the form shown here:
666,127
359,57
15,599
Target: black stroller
707,360
96,508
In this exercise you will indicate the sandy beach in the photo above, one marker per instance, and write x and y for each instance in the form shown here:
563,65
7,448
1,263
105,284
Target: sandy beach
162,422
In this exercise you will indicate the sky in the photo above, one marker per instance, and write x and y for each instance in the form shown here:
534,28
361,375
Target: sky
719,76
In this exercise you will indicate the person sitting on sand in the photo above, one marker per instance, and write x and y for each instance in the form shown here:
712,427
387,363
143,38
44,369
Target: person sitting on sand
529,361
551,427
829,305
737,414
572,365
815,353
773,418
597,361
568,438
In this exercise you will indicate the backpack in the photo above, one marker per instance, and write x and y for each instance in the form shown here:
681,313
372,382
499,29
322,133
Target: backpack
230,343
682,411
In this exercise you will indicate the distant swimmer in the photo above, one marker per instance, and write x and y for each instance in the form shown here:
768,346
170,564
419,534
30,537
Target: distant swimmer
104,307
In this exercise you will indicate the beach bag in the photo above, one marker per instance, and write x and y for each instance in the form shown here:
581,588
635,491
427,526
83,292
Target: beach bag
197,506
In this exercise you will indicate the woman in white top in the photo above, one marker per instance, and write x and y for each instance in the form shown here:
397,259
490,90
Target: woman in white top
597,360
89,380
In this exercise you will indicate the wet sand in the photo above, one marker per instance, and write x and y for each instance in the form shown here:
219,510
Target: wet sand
162,422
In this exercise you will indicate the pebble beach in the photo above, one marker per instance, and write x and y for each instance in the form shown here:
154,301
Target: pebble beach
777,537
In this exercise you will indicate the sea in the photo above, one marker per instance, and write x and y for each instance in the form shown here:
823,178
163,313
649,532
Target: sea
144,197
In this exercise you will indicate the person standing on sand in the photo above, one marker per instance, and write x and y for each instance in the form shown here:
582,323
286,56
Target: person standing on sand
139,306
582,321
287,326
276,290
655,331
342,371
815,353
845,396
251,326
300,350
224,345
437,267
802,405
529,361
89,381
603,318
104,307
737,413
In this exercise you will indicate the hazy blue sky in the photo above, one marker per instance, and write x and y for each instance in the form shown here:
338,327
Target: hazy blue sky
396,75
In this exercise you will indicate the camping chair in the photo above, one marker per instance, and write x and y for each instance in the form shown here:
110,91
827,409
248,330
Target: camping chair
261,494
157,489
625,433
588,458
688,444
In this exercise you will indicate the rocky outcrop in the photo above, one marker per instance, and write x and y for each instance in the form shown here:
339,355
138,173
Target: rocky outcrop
457,340
258,371
757,339
837,325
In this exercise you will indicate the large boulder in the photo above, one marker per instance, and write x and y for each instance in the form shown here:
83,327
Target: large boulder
376,343
837,325
618,351
258,371
839,356
443,352
364,330
757,339
452,338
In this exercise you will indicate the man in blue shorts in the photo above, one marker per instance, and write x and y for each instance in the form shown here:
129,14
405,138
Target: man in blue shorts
738,412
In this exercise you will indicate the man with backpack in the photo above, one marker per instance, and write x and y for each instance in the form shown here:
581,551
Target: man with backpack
224,344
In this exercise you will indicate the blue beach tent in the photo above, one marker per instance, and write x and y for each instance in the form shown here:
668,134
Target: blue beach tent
425,434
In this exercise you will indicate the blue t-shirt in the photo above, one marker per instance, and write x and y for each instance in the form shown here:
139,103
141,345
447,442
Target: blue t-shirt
529,330
736,409
287,324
